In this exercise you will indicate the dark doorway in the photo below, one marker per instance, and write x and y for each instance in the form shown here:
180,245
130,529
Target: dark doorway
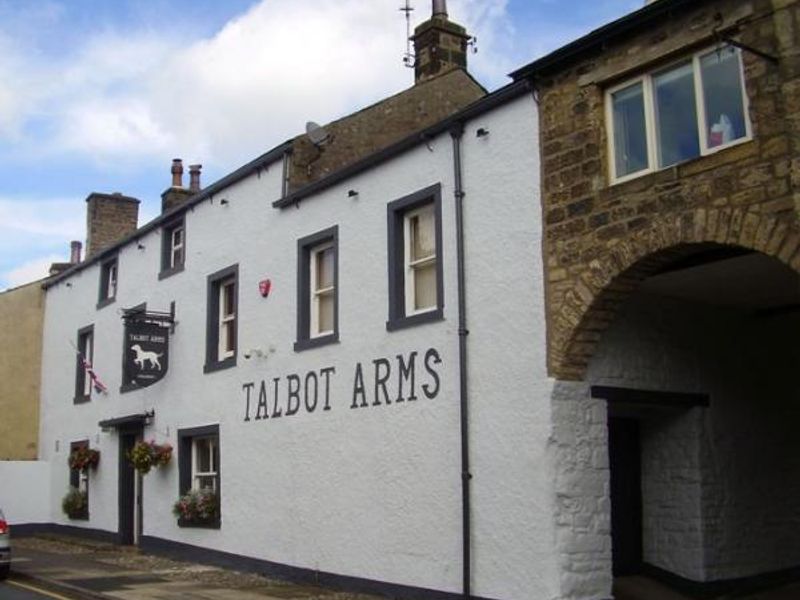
624,454
128,501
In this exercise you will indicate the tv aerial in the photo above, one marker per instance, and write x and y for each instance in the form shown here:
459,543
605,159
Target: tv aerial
317,134
409,59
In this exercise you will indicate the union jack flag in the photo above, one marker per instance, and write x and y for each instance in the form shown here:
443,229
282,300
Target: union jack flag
98,385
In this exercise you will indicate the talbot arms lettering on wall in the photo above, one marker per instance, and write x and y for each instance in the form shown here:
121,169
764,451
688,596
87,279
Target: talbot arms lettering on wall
382,383
146,353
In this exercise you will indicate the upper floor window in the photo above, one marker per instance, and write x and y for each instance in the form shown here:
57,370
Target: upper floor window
317,289
83,367
689,109
415,262
173,248
221,338
108,282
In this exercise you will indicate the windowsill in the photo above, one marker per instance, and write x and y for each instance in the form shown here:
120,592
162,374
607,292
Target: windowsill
709,154
200,524
164,273
316,342
81,399
414,320
105,302
220,365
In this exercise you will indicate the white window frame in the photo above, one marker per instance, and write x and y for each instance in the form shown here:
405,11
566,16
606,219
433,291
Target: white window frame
196,474
87,351
409,265
176,247
650,114
315,293
224,319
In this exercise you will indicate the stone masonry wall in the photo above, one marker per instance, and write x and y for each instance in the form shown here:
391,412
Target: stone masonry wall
21,318
369,130
579,459
748,195
109,218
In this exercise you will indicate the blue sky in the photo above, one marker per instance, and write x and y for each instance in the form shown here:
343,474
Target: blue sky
100,96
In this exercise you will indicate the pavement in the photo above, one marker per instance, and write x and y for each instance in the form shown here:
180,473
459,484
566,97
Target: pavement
91,570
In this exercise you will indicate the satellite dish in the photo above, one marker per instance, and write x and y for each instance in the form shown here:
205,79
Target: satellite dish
316,133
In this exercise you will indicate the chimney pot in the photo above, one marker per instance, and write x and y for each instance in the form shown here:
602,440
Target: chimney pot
177,172
194,177
440,8
75,252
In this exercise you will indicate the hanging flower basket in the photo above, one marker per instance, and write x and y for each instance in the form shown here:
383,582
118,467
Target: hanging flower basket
75,504
146,455
198,507
83,457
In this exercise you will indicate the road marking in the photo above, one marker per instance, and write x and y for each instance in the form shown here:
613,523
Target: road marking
37,590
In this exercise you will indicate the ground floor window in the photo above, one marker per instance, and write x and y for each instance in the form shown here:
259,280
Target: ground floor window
198,504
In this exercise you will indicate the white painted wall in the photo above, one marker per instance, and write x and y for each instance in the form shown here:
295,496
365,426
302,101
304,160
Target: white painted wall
582,512
25,491
372,492
720,484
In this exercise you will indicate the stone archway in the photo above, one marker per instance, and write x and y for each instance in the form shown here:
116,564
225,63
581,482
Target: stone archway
581,313
724,466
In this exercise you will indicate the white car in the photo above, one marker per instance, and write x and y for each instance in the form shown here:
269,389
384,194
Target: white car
5,547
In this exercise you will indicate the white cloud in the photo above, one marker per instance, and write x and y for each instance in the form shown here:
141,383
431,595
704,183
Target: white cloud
137,95
61,219
30,271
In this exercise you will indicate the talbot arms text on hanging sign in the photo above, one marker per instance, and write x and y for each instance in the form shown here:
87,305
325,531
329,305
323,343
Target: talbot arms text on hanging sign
380,382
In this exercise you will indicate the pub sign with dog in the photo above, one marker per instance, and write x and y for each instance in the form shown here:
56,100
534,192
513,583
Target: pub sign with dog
146,353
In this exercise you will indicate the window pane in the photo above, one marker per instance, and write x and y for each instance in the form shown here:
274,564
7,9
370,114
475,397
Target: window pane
722,94
425,286
177,257
423,240
227,299
630,135
324,268
676,115
204,452
325,304
229,336
206,482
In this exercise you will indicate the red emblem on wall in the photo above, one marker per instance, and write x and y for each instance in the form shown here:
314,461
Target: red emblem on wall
264,286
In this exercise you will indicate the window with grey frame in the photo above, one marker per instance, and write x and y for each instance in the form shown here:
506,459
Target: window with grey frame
318,289
84,357
416,289
199,469
109,274
222,319
173,248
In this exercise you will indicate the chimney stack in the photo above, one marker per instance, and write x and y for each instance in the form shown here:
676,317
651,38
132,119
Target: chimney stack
109,218
75,252
176,194
194,178
177,173
439,44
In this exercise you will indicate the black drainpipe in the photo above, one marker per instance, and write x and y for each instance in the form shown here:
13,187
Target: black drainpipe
456,132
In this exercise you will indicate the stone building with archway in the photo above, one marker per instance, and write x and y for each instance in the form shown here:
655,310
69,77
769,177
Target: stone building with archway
670,145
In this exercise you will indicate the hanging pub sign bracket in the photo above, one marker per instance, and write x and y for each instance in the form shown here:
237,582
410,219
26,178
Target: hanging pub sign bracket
146,346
